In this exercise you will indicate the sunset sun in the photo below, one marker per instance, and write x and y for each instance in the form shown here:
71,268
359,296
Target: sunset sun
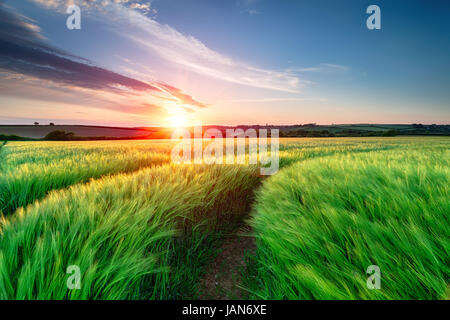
178,120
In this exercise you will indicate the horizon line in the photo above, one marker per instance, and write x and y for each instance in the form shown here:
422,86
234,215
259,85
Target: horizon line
225,125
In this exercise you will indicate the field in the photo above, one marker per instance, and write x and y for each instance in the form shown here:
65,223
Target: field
141,227
38,132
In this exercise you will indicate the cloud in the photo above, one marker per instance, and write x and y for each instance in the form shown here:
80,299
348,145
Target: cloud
281,99
25,57
183,50
323,67
248,6
142,6
61,5
186,52
335,66
193,55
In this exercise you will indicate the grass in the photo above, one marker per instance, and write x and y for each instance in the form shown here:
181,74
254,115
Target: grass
31,170
296,150
137,236
2,144
142,228
320,223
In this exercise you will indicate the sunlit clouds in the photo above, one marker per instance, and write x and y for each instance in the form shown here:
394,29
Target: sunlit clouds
183,50
47,73
169,62
33,69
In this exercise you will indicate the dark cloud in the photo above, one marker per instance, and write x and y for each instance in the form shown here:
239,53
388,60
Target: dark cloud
23,51
46,65
22,31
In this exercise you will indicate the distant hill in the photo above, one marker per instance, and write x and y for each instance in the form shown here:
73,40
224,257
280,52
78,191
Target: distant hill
356,130
40,131
81,132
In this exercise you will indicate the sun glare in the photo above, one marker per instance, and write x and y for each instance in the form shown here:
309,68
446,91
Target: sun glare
177,121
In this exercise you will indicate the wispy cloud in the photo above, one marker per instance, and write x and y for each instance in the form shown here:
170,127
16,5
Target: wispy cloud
249,6
191,54
61,5
184,50
335,66
125,19
323,67
25,58
280,99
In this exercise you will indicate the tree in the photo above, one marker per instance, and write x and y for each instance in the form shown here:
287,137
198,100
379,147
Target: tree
36,123
389,133
59,135
51,124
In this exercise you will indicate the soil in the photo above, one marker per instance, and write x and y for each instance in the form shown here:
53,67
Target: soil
223,276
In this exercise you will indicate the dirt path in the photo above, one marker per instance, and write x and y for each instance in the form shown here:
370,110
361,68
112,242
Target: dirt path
223,276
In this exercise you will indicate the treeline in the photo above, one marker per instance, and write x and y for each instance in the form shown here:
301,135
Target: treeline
431,130
343,133
13,137
59,135
415,129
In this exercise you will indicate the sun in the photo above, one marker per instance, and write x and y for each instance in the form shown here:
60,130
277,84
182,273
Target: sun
177,121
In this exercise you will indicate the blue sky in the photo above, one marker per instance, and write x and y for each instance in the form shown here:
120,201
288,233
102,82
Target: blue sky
139,63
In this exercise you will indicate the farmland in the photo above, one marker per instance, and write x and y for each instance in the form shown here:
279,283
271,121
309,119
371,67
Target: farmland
141,227
77,132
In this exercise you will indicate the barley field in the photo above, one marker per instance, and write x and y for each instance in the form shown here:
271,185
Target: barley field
141,227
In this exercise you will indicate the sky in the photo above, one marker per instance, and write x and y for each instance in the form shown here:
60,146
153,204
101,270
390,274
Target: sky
230,62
